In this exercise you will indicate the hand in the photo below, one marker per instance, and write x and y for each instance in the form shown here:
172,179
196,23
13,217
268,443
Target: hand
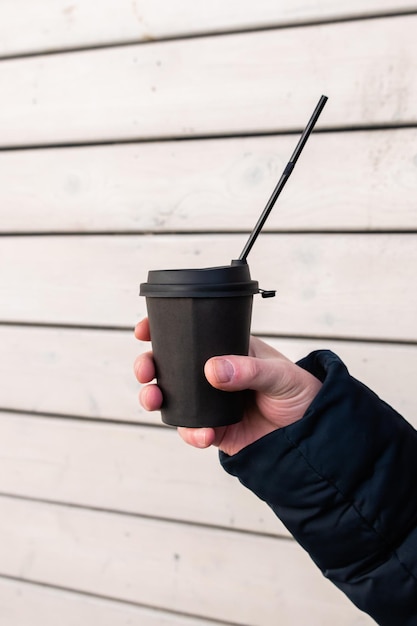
281,393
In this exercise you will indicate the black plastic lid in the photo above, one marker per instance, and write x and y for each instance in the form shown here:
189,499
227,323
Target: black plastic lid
209,282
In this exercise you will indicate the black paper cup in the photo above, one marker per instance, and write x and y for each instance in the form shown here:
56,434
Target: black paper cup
195,314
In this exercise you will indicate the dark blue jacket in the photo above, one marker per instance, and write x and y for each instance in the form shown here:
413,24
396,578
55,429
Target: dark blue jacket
343,480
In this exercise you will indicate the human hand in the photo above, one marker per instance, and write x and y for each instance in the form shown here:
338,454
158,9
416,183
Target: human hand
280,393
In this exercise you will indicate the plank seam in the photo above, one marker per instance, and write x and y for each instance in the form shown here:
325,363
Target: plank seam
144,516
265,335
96,596
27,413
210,33
211,232
115,141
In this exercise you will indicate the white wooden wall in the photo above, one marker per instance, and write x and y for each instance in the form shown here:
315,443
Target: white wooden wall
106,517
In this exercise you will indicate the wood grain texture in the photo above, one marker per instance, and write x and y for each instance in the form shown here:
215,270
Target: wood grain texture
90,373
361,180
192,87
169,566
334,285
56,24
26,604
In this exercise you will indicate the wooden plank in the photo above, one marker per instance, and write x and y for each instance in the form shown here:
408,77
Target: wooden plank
92,373
89,373
140,470
243,83
26,604
55,24
253,579
328,285
361,180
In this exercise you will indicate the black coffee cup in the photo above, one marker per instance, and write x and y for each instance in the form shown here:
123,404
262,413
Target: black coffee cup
195,314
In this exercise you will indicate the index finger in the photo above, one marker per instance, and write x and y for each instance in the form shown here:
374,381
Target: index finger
259,348
142,331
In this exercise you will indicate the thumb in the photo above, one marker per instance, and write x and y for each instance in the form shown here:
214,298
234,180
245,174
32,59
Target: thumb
273,376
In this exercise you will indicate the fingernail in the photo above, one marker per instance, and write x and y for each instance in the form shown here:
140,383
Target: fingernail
223,370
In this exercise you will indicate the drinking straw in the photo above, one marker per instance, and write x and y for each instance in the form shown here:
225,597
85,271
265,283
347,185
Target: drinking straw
284,177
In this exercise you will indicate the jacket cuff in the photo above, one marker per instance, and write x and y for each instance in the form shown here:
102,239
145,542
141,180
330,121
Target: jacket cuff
340,478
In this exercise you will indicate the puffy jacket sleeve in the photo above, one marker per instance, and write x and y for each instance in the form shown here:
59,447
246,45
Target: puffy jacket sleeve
343,481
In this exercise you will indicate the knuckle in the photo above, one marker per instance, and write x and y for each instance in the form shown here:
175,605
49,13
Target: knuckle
252,369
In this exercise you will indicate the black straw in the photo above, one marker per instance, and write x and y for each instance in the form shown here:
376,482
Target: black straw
284,177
